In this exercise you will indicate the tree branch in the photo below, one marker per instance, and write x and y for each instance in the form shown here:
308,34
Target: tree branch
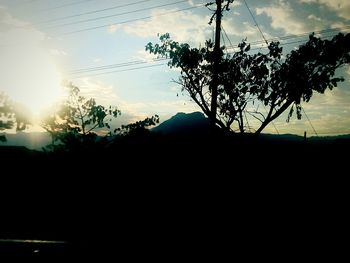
93,127
203,105
274,116
252,113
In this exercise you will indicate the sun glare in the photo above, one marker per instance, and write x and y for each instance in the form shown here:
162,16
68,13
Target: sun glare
31,78
44,88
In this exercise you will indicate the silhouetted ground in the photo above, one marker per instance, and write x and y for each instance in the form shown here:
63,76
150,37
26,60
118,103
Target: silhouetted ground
142,194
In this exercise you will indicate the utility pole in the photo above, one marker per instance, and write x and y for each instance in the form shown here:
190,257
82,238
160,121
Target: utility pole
214,91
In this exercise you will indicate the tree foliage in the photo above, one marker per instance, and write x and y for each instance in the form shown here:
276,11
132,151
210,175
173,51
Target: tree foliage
10,115
250,81
138,128
78,119
80,123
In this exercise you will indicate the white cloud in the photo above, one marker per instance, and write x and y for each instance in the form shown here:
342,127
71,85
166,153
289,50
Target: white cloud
182,26
113,28
57,52
103,93
144,55
236,32
282,17
8,22
328,112
308,1
341,7
340,26
106,95
241,30
313,17
191,3
235,3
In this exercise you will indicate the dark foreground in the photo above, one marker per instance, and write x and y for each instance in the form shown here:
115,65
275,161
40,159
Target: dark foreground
139,197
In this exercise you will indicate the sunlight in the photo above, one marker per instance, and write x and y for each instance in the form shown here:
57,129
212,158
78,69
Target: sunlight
44,88
31,78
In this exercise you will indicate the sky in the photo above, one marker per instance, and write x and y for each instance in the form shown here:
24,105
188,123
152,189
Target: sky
99,45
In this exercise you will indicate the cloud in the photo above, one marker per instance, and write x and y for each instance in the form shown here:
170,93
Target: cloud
235,4
308,1
103,93
241,30
183,26
106,94
282,17
113,28
8,22
237,32
17,32
57,52
329,113
144,55
340,7
191,3
341,26
313,17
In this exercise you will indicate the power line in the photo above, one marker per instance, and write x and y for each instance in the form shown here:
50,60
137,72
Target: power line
30,1
116,65
246,119
229,40
122,70
134,62
131,20
288,37
93,12
245,114
65,5
223,39
24,3
114,15
309,121
256,23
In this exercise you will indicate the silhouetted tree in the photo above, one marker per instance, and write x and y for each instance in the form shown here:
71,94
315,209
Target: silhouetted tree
10,116
221,5
248,81
78,119
138,128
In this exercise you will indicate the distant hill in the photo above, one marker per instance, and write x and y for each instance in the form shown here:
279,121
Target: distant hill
184,124
32,140
196,123
181,124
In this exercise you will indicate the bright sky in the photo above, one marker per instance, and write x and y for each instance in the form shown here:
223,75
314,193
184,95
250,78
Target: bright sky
99,46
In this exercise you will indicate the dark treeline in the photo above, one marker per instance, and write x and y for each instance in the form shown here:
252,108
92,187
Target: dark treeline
121,198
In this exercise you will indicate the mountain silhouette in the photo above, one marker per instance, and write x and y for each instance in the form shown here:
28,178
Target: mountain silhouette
184,124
